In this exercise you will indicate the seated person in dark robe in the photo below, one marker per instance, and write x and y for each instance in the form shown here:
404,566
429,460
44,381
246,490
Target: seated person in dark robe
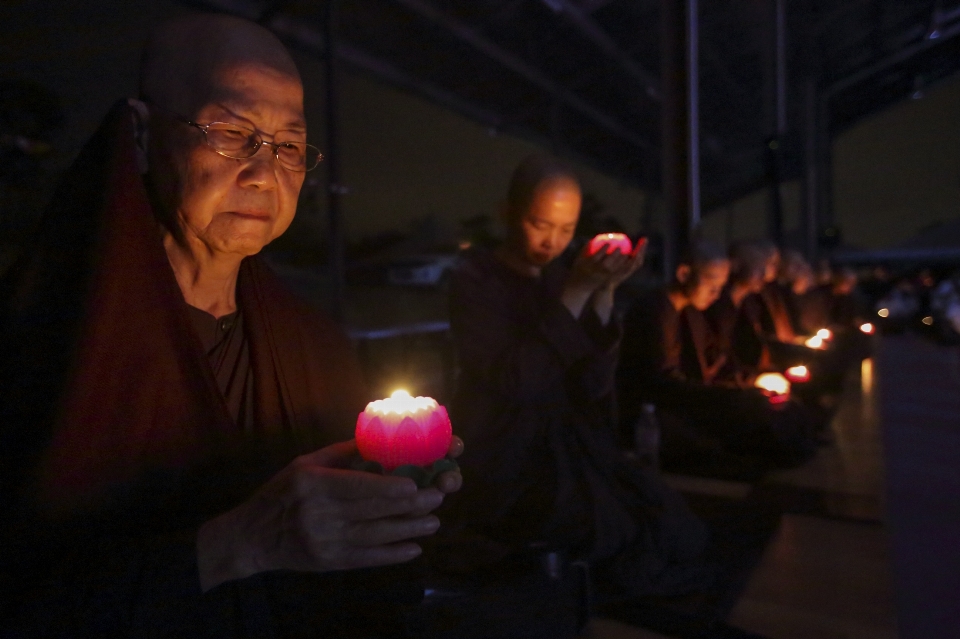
737,326
709,425
169,463
807,308
846,310
769,307
537,347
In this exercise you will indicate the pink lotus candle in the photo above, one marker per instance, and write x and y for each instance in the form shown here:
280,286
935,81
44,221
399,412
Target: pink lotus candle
609,242
403,430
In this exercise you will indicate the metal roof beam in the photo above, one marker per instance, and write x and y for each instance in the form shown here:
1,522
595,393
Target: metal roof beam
595,33
466,34
904,54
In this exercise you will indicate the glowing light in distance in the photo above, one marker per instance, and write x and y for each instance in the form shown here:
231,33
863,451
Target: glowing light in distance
773,383
814,342
927,320
867,328
825,334
884,312
798,373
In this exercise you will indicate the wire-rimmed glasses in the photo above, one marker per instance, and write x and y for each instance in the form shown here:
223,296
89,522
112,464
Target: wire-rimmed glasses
238,142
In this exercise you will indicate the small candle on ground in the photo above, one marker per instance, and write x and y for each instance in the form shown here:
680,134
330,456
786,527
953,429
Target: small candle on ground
775,386
402,430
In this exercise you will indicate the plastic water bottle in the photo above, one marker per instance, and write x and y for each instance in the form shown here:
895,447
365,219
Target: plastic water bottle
646,438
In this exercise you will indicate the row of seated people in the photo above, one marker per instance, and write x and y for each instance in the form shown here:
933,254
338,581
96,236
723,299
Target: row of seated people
174,437
696,349
546,366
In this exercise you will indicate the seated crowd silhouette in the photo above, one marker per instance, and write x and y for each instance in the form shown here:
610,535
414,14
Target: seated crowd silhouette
559,384
176,454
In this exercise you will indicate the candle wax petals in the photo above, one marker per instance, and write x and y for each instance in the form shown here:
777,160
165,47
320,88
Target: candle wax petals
438,434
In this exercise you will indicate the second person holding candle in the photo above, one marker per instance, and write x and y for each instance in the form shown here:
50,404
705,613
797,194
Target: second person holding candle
538,348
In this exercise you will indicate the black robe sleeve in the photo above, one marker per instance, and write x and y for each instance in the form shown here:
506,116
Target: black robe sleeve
651,369
521,361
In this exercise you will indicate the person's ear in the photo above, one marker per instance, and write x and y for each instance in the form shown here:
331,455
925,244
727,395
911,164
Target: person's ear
141,132
683,273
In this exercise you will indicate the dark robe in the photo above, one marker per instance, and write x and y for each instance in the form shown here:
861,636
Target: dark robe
812,310
738,335
775,317
670,359
116,440
541,466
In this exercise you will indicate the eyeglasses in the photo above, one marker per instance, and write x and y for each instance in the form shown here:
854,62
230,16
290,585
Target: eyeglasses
239,143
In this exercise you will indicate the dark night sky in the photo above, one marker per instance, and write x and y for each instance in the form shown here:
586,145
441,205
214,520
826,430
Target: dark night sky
405,158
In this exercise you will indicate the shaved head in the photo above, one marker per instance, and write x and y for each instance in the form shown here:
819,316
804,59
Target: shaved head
216,69
185,60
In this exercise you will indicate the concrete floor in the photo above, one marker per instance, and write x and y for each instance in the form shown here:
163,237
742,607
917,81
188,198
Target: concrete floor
826,574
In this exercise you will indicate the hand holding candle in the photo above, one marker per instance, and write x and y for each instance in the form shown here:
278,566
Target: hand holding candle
403,430
609,242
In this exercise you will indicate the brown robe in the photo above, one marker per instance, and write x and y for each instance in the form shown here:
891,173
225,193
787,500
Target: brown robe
115,441
776,316
541,466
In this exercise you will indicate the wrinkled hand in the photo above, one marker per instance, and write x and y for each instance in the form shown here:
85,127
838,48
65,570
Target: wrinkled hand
316,515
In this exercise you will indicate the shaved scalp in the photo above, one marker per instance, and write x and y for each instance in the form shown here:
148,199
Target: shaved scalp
184,58
746,260
533,172
700,253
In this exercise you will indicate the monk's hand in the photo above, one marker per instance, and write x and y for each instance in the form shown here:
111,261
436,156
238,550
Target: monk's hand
627,267
589,273
316,515
451,481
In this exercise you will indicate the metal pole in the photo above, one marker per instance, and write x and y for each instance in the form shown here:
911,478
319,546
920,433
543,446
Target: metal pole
693,115
781,71
776,94
811,198
673,131
824,164
335,190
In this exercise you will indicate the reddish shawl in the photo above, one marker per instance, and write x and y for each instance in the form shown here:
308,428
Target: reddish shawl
104,379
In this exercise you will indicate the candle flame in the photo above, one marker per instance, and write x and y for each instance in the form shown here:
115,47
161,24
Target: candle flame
867,328
798,373
773,382
401,402
825,333
814,342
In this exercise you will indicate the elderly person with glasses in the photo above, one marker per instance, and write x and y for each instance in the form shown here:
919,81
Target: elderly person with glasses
172,445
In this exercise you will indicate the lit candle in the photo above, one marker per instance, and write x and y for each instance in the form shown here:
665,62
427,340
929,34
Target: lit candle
775,386
798,374
867,328
825,334
815,342
403,430
609,242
